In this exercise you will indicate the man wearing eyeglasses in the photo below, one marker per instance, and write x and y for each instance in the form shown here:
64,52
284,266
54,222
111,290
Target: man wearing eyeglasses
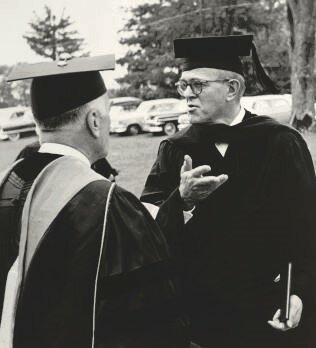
245,179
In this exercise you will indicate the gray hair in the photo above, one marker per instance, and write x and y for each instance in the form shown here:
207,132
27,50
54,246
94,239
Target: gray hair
58,121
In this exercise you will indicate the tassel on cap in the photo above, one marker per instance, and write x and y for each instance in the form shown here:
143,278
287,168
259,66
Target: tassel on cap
261,76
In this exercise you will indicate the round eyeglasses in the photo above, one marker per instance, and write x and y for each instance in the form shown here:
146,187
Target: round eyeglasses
195,85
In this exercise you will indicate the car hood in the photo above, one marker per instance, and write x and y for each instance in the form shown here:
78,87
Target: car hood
4,120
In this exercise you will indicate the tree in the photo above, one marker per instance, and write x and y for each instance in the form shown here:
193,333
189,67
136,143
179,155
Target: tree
7,98
15,93
49,36
21,91
152,69
302,18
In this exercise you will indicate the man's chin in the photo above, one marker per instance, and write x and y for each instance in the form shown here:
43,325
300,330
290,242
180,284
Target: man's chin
193,118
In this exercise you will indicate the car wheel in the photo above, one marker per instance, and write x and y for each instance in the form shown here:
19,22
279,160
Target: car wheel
170,128
134,129
14,136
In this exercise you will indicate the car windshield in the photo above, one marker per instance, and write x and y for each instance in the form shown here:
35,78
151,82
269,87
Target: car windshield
144,107
16,115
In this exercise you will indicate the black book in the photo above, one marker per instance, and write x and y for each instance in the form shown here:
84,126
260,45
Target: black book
286,293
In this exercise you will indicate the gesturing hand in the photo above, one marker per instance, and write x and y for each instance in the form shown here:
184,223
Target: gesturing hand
296,308
195,187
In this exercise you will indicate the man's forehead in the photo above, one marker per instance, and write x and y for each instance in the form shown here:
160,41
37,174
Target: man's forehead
200,73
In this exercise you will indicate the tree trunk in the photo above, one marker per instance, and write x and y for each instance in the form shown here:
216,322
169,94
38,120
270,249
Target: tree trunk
202,18
302,17
54,46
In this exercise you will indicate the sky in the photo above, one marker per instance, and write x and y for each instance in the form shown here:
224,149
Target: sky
97,21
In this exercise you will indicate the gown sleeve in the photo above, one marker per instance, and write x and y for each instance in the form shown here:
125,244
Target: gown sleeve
133,237
161,189
138,303
294,180
164,176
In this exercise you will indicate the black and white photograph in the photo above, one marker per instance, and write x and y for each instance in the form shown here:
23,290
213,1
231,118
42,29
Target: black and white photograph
157,174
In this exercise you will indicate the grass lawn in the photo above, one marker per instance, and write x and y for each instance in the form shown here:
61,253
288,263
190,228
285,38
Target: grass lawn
132,156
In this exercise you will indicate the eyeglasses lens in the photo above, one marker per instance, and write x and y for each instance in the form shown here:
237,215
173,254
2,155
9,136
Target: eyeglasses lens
195,86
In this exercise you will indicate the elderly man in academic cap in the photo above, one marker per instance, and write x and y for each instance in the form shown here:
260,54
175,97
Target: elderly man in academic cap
246,180
90,260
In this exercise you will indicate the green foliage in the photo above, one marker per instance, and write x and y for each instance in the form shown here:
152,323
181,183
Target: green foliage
152,69
49,36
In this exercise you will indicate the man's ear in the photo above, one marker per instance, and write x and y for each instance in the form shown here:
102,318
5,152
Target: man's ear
233,89
93,122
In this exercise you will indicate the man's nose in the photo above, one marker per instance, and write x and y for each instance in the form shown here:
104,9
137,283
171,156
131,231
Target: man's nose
188,93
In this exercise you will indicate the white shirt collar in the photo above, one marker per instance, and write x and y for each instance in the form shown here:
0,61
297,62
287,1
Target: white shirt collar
63,150
222,147
239,117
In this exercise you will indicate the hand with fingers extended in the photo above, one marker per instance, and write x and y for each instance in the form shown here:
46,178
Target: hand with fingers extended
296,308
194,186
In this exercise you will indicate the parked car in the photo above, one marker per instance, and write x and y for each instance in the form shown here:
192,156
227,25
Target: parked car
124,104
6,114
162,115
145,116
19,122
277,106
120,110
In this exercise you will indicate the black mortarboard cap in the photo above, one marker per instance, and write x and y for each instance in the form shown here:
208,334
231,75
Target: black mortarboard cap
61,86
224,53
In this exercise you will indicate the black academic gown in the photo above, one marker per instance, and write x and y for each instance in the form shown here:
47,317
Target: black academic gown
136,297
242,236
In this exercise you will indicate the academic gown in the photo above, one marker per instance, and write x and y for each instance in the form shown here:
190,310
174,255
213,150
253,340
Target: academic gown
241,237
136,296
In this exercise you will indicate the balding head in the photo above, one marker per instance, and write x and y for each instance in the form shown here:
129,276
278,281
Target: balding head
85,128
